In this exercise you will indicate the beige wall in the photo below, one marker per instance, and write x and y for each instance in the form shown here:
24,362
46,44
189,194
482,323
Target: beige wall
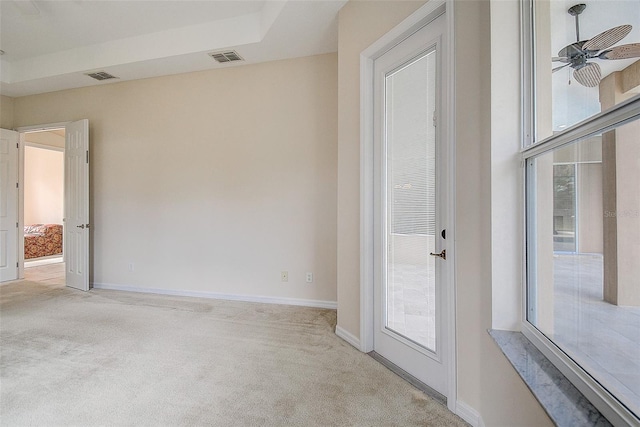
213,181
590,217
360,24
621,201
43,186
6,112
628,213
486,380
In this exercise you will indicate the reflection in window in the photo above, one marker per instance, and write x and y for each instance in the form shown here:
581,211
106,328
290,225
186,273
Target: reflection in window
564,208
583,255
571,67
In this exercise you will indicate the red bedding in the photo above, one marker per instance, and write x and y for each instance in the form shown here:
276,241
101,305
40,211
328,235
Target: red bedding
42,240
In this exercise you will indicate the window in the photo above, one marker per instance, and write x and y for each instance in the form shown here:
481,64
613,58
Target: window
581,148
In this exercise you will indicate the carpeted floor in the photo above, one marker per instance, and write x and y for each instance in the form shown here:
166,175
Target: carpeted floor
118,358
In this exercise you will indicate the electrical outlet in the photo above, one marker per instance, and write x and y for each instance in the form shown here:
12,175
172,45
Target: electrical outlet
284,276
309,277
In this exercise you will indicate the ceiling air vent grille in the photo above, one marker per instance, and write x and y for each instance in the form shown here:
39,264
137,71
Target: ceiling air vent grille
101,75
229,56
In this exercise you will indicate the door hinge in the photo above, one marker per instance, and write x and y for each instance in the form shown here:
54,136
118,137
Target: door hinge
17,185
435,120
17,225
87,156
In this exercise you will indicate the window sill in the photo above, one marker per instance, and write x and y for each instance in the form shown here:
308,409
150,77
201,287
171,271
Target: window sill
564,404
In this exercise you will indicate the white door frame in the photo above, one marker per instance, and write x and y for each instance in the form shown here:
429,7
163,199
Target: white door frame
410,25
21,167
22,130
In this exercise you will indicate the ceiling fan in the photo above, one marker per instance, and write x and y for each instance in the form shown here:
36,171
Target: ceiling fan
578,55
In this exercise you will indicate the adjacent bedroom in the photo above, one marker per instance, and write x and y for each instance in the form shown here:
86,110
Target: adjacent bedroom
43,197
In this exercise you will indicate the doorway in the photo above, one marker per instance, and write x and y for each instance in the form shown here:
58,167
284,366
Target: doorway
76,226
408,311
43,192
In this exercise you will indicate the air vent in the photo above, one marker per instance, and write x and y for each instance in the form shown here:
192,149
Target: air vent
101,75
228,56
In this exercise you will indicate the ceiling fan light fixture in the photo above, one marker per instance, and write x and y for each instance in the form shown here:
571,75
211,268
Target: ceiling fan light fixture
578,54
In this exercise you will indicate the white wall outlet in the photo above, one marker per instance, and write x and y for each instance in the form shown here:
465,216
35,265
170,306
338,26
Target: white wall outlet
284,276
309,277
132,267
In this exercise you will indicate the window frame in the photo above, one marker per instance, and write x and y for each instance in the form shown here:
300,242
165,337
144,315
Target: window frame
531,148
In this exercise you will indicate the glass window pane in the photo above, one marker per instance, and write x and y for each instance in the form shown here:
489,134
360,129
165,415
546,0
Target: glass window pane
584,288
411,196
588,60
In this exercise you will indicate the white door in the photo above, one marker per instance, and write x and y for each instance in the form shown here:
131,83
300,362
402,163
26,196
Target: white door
409,202
9,232
76,204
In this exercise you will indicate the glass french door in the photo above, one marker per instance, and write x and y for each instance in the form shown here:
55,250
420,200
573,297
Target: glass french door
411,241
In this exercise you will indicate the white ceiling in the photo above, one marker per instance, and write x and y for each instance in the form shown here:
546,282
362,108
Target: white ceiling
49,45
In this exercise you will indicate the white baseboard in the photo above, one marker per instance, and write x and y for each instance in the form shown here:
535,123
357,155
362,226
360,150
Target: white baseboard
469,414
348,337
215,295
35,262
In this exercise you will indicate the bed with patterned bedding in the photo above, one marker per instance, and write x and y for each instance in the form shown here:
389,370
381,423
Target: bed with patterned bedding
42,240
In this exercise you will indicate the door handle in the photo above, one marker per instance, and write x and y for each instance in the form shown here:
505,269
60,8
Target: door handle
442,254
80,226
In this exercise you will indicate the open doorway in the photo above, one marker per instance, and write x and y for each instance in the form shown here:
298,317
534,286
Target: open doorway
75,239
43,210
76,197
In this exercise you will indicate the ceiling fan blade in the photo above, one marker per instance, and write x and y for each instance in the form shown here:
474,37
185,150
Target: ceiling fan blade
589,75
607,38
559,68
631,50
560,59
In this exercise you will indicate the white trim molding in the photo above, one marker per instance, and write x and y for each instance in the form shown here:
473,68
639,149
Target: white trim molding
42,128
468,414
332,305
348,337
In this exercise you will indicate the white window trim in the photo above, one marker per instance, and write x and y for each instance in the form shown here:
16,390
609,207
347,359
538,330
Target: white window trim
614,117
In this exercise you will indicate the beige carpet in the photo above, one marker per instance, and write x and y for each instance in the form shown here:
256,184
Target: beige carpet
118,358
